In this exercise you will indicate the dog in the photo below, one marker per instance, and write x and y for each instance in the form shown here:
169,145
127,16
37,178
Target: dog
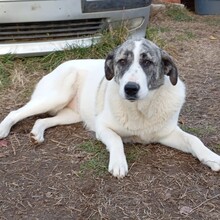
134,95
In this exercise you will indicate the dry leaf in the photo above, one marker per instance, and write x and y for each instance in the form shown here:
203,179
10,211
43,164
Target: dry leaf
181,121
212,38
3,143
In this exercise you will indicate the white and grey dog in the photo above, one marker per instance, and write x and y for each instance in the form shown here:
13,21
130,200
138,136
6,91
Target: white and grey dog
134,95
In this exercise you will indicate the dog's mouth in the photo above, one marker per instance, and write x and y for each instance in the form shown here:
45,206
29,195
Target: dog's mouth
132,98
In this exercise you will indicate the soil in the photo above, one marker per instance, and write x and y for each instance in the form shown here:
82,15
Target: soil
47,181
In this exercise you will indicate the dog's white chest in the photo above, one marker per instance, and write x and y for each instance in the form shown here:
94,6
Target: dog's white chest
146,120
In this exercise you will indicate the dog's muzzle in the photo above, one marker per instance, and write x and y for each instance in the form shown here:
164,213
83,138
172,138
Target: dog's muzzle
131,90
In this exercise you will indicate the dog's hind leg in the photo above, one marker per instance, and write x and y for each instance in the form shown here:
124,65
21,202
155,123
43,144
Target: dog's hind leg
53,92
33,107
64,117
191,144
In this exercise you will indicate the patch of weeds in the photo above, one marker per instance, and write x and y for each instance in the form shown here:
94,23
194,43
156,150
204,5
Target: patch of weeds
27,92
217,146
190,35
198,131
212,21
153,34
133,152
98,157
4,77
97,161
195,131
178,14
6,66
187,35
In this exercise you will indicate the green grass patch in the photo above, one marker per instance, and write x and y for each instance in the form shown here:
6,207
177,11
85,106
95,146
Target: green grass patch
108,42
97,161
212,21
133,152
4,77
198,131
98,156
154,34
217,146
6,66
185,36
177,13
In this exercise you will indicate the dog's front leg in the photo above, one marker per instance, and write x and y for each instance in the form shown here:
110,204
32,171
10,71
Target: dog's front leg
191,144
117,160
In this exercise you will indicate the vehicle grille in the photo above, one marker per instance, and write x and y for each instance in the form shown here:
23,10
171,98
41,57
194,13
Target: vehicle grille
55,30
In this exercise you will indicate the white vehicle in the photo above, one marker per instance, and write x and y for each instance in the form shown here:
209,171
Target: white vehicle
30,27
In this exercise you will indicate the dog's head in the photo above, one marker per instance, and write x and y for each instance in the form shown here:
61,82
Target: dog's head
138,67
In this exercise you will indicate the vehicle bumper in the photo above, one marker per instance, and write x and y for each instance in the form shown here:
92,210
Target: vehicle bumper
12,12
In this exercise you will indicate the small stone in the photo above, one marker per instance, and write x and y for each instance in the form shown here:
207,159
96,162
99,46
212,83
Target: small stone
185,210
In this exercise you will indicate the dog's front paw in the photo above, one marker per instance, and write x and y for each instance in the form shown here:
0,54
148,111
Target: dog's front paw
36,137
213,163
4,131
37,133
118,167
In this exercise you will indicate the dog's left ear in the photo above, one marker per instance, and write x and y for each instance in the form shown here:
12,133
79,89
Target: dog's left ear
109,66
170,68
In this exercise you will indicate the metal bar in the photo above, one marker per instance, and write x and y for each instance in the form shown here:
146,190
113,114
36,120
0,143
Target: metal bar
53,36
44,25
48,31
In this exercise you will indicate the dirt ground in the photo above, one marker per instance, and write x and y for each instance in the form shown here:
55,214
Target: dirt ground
54,181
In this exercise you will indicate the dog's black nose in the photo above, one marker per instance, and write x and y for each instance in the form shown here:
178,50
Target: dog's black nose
131,88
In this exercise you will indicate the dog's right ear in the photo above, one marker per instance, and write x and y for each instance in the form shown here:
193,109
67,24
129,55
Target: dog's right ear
109,66
170,68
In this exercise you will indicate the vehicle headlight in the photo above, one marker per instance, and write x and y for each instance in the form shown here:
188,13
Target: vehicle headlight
134,23
130,24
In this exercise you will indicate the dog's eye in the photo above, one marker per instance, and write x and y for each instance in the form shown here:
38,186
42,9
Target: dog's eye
122,62
146,63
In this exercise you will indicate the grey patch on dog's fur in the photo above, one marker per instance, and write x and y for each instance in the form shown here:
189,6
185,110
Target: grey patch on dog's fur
150,61
123,62
156,63
119,61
